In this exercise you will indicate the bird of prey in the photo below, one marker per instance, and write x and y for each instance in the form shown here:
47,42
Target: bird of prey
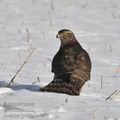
71,66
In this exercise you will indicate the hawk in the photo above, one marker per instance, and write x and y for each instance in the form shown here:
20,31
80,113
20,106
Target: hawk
71,66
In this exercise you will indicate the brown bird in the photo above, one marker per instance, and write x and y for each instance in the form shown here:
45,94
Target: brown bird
71,66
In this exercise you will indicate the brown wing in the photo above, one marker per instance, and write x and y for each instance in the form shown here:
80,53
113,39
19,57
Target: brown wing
83,65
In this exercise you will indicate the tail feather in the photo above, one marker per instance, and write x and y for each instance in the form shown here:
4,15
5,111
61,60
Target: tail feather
72,87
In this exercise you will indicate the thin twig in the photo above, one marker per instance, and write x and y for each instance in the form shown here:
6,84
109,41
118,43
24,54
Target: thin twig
66,100
21,67
117,93
111,95
38,80
101,82
50,19
52,5
28,35
49,59
110,48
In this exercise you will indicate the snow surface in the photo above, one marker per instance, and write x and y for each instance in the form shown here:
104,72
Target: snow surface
28,24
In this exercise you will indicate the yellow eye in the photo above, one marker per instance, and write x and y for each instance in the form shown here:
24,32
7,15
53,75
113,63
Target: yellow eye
68,34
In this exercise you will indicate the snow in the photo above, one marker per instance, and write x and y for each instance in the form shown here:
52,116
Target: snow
29,24
4,90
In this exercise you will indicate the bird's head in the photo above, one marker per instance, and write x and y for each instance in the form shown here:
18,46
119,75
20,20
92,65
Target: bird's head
66,36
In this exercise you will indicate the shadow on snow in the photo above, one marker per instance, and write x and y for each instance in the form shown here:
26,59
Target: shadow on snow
30,87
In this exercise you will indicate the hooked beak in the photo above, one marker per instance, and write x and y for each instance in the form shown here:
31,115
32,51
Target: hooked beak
57,36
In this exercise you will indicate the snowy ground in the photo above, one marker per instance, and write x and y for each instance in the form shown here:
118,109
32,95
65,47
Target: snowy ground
29,24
